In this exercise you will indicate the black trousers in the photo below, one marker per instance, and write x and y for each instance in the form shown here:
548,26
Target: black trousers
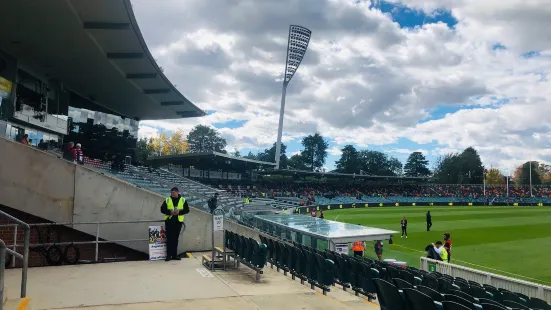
404,231
429,225
173,227
358,253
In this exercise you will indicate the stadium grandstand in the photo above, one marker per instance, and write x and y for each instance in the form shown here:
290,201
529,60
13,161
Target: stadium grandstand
79,73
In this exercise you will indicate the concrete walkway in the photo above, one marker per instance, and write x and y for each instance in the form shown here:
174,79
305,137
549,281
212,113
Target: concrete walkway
181,284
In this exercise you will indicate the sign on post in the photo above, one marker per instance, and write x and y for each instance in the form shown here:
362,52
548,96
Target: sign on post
431,267
157,243
218,222
341,248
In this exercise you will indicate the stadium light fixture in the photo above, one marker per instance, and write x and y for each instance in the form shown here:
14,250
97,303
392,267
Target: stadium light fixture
297,44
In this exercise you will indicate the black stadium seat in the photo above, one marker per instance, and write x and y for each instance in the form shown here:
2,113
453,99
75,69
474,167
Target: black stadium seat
418,301
389,296
430,292
450,305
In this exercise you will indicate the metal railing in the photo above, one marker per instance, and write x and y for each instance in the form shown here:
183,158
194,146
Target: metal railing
24,256
97,240
529,289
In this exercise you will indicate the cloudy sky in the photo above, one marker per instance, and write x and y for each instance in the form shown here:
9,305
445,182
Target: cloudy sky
395,76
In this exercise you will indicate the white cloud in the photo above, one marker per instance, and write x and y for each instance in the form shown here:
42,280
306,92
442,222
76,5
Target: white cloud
364,80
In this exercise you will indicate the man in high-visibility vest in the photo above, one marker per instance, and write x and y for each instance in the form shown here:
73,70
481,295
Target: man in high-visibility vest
358,247
174,208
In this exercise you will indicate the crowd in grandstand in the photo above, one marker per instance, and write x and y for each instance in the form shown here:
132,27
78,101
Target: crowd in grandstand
321,193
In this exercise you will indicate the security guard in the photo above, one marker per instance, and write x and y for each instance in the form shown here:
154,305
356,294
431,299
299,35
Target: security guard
174,208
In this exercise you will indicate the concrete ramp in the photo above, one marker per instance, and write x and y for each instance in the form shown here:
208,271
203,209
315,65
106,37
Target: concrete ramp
181,284
41,184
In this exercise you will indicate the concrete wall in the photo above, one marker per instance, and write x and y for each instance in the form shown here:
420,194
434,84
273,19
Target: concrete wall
43,185
35,182
99,198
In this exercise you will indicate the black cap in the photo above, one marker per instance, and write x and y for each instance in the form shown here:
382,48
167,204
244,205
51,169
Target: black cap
174,189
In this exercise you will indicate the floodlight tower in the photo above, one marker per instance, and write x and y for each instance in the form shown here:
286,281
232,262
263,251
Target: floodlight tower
297,43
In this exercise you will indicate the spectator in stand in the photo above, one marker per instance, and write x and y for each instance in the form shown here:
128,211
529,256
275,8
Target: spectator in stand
25,139
313,213
30,142
404,223
78,156
43,146
68,151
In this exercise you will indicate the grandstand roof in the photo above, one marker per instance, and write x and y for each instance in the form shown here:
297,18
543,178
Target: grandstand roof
334,174
210,160
97,50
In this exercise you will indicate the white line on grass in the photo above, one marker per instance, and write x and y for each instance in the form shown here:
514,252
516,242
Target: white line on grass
481,266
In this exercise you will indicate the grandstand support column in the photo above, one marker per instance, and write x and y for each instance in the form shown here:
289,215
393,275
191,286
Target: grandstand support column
280,127
297,44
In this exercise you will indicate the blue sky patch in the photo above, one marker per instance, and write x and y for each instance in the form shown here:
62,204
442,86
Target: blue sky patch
411,18
229,124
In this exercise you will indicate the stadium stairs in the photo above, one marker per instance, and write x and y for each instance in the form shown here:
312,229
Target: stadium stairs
45,186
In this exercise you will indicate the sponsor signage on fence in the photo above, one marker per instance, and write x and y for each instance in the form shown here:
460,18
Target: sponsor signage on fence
157,243
306,210
341,248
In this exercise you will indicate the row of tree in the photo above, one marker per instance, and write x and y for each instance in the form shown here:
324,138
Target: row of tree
200,139
453,168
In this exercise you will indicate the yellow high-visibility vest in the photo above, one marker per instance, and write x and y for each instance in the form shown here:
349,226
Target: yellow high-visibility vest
170,206
444,254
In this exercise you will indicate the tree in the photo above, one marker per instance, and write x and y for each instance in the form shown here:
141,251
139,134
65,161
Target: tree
159,144
177,143
250,156
202,139
315,151
297,162
463,168
268,155
163,144
416,165
349,162
236,153
143,151
446,170
522,174
495,177
378,163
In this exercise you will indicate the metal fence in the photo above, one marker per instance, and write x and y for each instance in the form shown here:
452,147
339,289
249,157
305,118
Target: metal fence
24,257
529,289
97,234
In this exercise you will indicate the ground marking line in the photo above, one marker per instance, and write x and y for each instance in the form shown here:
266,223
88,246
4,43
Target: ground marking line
489,268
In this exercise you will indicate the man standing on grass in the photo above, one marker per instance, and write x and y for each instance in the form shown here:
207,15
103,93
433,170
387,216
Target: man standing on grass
404,223
429,221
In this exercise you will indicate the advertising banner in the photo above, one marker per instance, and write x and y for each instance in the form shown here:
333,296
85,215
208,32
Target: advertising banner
157,243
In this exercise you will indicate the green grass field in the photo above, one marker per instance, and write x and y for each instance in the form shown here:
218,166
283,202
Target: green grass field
512,241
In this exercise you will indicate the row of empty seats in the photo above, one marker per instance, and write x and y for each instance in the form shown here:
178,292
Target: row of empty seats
401,289
301,263
246,251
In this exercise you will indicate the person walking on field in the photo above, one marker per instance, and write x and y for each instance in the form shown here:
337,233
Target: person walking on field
404,223
174,208
429,221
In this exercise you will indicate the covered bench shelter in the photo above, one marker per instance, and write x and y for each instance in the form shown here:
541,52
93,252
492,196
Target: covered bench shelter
315,232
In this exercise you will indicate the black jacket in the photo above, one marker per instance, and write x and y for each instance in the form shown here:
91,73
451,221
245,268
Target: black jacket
164,207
